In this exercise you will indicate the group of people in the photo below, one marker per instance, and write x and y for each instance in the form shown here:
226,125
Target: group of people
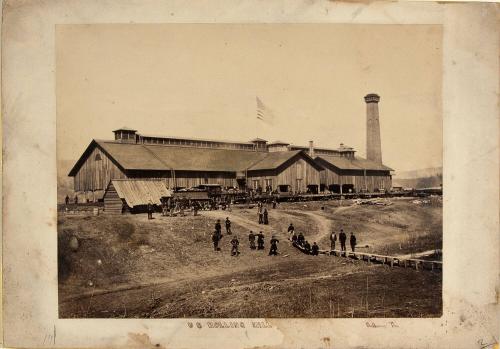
342,239
300,240
75,200
252,238
263,214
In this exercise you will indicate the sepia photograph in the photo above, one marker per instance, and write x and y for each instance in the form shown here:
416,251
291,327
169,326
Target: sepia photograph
249,171
248,174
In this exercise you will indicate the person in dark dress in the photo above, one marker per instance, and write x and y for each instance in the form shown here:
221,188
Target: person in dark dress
352,240
66,200
266,216
215,240
342,239
218,229
274,246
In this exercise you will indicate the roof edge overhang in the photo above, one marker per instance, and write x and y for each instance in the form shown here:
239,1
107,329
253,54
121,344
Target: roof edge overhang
93,144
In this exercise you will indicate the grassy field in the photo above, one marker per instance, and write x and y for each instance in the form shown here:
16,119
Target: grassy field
127,266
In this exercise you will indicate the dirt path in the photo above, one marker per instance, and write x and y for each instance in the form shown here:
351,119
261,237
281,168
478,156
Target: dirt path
323,224
244,222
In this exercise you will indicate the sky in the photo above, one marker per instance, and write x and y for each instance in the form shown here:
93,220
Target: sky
202,81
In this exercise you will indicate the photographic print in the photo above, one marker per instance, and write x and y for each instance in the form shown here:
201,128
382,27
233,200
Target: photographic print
249,170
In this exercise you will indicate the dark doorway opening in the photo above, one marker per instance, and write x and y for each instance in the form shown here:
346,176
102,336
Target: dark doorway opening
347,188
312,189
283,188
241,183
334,188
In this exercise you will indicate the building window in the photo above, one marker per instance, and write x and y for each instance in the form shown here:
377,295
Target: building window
97,157
283,188
255,183
269,184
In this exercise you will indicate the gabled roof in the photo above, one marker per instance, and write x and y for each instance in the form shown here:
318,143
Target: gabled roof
155,157
278,143
203,159
277,159
274,160
132,156
138,192
357,163
258,140
124,128
196,139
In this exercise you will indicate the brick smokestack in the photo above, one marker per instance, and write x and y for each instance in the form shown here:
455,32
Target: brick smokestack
311,149
373,146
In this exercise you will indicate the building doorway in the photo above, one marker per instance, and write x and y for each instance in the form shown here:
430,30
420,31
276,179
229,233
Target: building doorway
241,183
334,188
312,189
347,188
284,188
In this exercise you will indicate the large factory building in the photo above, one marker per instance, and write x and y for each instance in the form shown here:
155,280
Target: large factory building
257,164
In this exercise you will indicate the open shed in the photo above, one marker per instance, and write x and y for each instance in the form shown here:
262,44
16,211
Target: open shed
133,195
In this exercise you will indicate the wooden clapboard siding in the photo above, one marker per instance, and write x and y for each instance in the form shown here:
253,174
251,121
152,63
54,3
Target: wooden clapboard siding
96,174
372,181
188,179
112,202
299,169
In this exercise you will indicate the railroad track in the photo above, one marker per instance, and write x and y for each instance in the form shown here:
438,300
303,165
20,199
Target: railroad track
393,261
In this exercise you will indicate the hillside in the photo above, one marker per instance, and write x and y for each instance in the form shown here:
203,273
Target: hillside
423,178
127,266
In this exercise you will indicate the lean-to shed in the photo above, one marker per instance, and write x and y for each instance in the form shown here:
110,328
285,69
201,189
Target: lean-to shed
134,194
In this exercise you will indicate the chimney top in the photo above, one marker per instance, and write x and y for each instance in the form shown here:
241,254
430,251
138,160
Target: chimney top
372,98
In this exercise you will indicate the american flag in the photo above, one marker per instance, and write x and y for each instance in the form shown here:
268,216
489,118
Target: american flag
264,114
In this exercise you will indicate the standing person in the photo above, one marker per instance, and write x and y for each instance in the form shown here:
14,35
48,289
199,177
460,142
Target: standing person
333,240
352,240
291,229
261,216
76,199
274,203
150,210
251,238
234,248
228,226
274,246
260,241
66,200
342,239
315,249
215,240
294,238
266,220
218,229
